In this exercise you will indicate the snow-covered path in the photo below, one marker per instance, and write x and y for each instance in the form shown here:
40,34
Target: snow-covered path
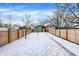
35,45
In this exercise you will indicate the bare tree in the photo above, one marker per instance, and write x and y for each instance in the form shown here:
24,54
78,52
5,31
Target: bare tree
9,27
56,17
42,22
27,22
1,24
9,22
62,17
74,9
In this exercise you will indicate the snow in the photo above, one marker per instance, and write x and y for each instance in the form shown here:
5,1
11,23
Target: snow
36,44
3,29
74,48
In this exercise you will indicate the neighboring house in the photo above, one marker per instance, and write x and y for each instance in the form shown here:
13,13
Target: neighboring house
39,28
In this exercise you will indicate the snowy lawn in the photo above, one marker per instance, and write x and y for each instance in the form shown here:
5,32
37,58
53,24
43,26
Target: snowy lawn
34,45
73,48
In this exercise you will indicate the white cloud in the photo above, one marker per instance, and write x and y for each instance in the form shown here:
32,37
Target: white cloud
3,10
13,22
35,14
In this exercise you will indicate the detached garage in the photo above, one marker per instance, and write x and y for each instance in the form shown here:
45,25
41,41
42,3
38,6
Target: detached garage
39,28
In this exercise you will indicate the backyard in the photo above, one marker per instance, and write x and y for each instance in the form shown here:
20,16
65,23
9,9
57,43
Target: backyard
39,29
36,44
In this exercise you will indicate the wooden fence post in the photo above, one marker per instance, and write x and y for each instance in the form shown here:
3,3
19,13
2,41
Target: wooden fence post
18,33
59,32
66,33
9,31
25,33
55,31
22,33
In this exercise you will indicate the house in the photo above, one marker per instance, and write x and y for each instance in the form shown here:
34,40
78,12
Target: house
39,28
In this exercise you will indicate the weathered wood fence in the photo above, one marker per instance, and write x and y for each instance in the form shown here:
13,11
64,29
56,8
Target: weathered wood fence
67,34
9,36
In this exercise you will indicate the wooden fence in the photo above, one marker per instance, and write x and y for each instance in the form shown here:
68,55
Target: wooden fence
3,37
68,34
9,36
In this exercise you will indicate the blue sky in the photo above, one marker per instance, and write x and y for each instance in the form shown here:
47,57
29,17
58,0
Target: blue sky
29,6
18,10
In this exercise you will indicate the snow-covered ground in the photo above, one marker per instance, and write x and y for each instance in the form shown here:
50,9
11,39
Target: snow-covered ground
36,44
73,48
